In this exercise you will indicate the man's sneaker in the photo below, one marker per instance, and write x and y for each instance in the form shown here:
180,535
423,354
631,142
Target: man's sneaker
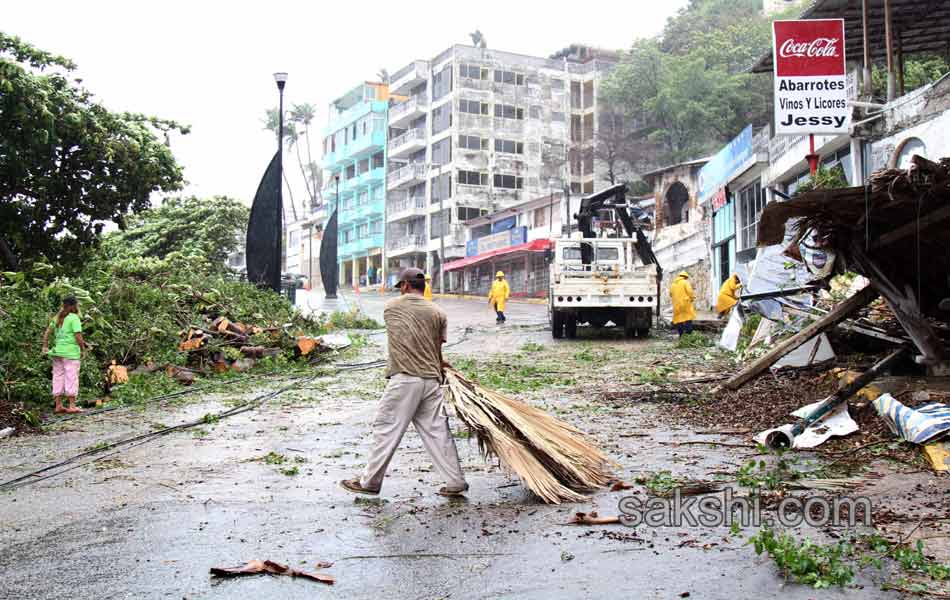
452,491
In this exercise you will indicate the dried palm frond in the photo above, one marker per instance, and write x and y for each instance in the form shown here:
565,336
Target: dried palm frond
553,459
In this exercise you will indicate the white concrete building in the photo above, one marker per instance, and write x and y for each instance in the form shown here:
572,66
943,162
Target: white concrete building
476,130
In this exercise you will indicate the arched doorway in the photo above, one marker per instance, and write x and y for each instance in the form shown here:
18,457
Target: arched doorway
676,204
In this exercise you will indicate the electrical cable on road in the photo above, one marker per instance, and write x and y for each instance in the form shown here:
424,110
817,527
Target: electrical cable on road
138,440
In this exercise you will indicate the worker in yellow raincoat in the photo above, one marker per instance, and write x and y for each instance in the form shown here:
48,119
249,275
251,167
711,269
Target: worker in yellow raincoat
427,294
683,310
498,295
728,295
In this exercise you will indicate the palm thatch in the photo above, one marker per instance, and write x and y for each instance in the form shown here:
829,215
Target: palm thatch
553,459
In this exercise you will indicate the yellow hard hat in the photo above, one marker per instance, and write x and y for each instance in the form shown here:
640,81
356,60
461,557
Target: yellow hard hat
428,277
499,274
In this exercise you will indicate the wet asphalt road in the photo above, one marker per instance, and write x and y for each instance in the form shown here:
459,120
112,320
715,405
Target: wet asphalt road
150,521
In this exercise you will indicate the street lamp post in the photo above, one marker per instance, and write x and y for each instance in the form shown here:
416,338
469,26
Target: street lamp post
281,79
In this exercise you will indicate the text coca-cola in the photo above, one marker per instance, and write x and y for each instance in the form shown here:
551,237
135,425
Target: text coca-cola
821,47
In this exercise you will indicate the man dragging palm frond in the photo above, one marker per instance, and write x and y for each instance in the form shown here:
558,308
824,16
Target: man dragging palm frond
416,329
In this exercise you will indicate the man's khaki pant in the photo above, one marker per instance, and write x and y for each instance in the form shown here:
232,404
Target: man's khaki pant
409,399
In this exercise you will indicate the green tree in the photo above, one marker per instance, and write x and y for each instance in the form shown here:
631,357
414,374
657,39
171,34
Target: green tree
205,229
68,166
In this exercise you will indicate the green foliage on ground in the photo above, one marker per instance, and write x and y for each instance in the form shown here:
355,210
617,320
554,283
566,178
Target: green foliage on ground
68,165
806,562
693,339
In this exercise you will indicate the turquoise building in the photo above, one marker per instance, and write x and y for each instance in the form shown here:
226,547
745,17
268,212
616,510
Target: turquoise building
354,162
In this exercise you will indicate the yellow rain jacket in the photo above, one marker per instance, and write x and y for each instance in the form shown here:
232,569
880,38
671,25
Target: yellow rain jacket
728,295
428,291
499,294
682,294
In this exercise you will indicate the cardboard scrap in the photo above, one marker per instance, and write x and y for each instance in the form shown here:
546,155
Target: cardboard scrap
938,453
256,567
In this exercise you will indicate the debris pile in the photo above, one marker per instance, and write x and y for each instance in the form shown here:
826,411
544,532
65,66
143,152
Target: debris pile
875,262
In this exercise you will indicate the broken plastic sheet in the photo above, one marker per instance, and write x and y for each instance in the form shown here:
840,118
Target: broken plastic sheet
335,341
807,354
729,340
819,261
774,271
836,423
916,425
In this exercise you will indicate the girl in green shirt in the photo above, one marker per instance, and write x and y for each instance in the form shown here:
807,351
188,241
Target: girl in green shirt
68,349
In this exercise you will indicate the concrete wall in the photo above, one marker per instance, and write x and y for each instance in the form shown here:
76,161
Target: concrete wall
923,114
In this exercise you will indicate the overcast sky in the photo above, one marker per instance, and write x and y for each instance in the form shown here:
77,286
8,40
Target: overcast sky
210,64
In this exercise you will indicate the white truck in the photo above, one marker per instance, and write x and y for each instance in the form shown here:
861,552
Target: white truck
604,280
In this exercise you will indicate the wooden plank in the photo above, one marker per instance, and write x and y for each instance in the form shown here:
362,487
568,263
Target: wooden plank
840,313
903,303
932,218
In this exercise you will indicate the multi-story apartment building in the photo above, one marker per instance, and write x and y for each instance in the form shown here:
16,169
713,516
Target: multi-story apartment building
354,163
476,130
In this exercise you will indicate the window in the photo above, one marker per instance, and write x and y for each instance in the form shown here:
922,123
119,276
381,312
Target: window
442,83
440,224
362,231
363,166
608,253
575,94
473,72
362,198
534,112
751,203
510,182
294,238
473,107
540,215
442,151
378,160
507,111
509,146
350,172
509,77
473,142
473,178
571,253
441,118
353,132
557,84
575,187
465,213
442,187
557,117
376,227
588,188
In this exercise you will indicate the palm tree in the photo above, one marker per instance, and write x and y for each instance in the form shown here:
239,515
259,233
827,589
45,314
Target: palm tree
272,123
303,115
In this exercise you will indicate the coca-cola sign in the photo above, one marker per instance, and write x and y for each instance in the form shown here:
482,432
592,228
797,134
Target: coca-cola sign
809,48
811,88
815,48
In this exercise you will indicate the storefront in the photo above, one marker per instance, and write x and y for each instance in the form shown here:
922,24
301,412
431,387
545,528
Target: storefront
525,267
724,237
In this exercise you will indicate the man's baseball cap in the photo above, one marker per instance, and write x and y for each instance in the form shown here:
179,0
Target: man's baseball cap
410,274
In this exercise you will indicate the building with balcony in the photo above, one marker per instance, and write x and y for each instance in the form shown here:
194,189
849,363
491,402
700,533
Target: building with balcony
475,130
354,163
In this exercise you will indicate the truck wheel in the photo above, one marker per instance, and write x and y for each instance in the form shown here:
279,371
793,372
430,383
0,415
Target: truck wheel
629,328
570,327
557,325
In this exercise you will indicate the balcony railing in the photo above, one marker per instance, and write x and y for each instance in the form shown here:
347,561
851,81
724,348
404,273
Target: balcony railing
406,207
415,105
406,243
407,174
413,135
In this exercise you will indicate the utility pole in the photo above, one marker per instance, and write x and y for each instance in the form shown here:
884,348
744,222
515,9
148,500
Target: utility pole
281,79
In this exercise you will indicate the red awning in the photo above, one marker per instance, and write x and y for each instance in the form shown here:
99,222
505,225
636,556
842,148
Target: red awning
534,246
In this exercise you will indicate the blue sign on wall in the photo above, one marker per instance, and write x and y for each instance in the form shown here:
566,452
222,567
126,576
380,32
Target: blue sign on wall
497,241
717,171
504,224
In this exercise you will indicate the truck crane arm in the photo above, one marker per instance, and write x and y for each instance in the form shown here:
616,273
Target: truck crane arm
614,197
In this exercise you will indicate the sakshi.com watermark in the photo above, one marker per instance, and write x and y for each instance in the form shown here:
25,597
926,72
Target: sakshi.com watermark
725,509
